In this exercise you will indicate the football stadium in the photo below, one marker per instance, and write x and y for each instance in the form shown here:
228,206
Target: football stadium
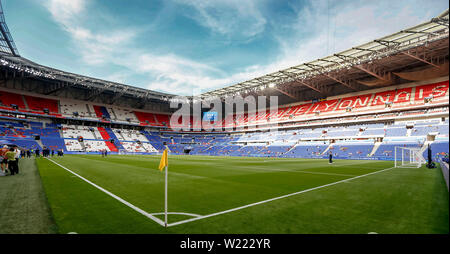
355,142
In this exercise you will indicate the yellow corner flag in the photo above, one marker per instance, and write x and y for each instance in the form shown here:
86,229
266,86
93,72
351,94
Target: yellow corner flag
164,160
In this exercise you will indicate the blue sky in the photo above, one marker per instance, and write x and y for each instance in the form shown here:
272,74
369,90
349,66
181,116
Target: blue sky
189,47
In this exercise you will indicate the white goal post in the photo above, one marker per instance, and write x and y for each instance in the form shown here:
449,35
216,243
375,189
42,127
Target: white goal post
408,157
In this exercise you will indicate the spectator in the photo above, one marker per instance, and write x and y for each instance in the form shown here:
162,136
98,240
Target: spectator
17,151
12,162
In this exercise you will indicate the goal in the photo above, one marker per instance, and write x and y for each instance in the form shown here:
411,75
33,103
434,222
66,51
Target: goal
408,157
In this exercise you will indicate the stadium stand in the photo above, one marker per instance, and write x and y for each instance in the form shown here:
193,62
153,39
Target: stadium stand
40,105
8,100
364,124
74,109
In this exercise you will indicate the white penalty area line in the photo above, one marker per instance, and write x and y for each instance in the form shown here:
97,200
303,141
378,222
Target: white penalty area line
273,199
137,209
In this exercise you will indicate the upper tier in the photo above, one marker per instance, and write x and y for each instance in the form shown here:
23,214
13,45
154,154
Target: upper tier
377,100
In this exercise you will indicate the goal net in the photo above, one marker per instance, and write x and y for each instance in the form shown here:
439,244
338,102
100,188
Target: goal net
408,157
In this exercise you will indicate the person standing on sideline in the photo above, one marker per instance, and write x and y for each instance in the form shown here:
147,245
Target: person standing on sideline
18,152
4,159
12,162
330,158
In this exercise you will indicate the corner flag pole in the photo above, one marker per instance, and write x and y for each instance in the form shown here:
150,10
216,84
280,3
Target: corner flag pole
164,164
165,199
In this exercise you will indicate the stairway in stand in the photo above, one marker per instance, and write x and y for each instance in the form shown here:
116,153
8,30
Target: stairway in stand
107,139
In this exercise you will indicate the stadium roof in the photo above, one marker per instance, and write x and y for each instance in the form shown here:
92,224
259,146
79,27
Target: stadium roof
35,70
6,42
434,30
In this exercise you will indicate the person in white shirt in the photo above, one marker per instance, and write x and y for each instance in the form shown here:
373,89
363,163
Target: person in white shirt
17,156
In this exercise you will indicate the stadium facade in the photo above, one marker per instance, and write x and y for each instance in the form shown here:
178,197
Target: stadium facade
357,104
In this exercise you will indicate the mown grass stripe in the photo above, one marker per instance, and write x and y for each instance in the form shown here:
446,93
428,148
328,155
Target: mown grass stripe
137,209
276,198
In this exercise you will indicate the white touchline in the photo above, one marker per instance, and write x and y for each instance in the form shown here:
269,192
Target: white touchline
137,209
273,199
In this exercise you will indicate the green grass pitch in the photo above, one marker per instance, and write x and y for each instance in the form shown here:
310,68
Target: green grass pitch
388,201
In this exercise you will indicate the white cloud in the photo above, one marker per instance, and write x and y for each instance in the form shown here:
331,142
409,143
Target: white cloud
63,11
235,19
95,47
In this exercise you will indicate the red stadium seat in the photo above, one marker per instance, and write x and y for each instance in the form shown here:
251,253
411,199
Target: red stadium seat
37,105
7,99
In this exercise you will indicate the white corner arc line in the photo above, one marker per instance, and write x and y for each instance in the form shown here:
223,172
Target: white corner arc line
137,209
176,213
273,199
